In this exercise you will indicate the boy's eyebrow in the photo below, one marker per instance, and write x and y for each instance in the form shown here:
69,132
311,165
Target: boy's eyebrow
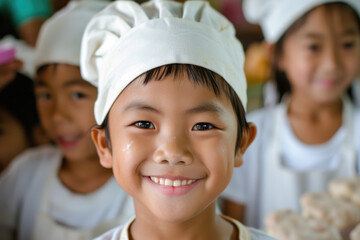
140,105
206,107
39,82
351,32
73,82
312,35
76,82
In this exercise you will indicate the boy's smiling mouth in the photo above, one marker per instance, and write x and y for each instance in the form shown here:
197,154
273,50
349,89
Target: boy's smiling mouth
173,186
172,183
67,142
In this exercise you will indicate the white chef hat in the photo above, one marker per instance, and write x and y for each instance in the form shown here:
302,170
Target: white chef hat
126,40
276,16
60,36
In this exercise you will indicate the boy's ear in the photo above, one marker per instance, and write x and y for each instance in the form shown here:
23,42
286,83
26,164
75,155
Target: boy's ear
103,150
247,138
274,58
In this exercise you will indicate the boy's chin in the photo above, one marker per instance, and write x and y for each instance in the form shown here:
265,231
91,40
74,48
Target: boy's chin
181,214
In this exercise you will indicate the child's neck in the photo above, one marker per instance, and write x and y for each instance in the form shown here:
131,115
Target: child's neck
83,176
205,226
312,122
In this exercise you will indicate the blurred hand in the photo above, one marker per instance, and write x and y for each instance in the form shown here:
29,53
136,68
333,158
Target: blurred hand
8,71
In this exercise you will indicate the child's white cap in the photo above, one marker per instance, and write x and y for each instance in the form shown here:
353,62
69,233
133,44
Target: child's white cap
60,36
126,40
276,16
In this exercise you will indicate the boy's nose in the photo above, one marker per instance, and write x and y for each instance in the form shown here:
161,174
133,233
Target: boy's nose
332,59
59,111
173,151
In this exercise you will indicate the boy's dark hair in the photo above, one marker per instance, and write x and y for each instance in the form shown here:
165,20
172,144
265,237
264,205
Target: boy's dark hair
46,66
200,76
18,99
281,80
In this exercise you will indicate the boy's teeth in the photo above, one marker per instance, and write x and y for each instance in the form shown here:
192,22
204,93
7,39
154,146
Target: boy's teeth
168,182
155,179
171,183
176,183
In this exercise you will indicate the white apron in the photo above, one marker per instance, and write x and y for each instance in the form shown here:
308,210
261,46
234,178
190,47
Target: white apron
282,187
47,228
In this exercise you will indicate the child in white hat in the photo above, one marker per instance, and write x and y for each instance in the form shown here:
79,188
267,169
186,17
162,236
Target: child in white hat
170,109
313,134
62,192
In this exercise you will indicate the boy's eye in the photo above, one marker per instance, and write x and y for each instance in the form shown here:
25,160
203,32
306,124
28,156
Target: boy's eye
203,126
43,95
78,95
348,45
313,47
144,124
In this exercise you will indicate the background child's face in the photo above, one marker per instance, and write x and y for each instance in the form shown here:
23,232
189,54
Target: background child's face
170,132
322,57
65,104
12,138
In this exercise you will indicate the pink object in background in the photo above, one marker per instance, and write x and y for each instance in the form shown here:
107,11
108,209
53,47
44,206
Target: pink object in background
6,55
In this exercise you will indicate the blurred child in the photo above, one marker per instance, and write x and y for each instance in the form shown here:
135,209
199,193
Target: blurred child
313,135
19,122
171,116
62,192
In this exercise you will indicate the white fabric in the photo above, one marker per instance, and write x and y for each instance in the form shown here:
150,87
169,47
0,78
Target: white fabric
258,182
65,203
321,156
23,52
127,39
356,91
121,232
60,36
276,16
23,186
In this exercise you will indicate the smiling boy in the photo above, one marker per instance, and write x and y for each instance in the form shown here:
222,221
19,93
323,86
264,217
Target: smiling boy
171,91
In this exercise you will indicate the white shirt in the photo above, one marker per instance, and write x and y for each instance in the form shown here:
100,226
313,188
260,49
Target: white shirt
356,91
121,232
300,156
22,188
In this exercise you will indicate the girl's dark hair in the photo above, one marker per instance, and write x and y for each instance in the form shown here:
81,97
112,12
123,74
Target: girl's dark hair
18,99
199,76
281,80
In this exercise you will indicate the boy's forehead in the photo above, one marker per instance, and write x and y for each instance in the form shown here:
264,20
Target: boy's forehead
60,74
191,97
338,21
196,76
